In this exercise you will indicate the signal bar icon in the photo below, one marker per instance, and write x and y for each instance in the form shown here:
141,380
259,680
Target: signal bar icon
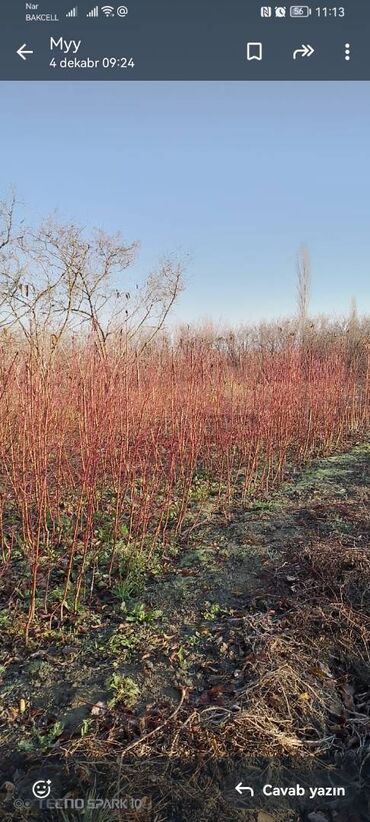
94,12
73,12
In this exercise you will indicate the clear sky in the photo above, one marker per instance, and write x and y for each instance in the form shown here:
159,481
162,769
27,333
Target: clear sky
232,176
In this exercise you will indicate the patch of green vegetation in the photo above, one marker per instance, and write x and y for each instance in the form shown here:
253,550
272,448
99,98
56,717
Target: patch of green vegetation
124,641
182,657
198,556
5,619
172,513
39,669
192,641
340,525
85,727
200,488
56,594
41,742
172,549
11,624
129,588
6,691
212,610
140,615
262,505
334,470
182,587
122,644
134,569
124,691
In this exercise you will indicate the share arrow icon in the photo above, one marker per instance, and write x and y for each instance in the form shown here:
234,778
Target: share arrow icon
305,51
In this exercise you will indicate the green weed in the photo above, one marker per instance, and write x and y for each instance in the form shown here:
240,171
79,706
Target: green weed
124,691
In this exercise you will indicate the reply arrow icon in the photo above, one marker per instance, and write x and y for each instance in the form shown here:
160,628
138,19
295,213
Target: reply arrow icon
305,51
240,788
22,51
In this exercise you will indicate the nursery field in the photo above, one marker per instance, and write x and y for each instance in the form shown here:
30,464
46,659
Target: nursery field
185,577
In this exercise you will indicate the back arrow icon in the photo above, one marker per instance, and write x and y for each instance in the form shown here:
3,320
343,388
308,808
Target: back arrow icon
305,51
22,51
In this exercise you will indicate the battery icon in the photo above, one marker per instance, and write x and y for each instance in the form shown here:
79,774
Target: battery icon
300,11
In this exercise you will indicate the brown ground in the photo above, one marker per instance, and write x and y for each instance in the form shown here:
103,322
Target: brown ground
257,669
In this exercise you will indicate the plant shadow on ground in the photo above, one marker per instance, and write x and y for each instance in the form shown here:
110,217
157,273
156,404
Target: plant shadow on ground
246,647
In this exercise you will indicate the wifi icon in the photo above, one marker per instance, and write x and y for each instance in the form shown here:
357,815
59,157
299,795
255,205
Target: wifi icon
108,11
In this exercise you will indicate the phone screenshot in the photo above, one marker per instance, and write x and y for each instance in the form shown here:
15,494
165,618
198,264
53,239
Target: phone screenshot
184,411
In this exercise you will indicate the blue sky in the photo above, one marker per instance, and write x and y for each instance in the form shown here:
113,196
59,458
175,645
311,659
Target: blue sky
230,176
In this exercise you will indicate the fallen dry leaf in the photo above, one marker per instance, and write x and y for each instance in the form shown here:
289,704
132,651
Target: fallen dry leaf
98,709
264,817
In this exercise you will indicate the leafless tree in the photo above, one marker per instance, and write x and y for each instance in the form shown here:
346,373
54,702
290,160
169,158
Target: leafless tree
303,285
59,277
